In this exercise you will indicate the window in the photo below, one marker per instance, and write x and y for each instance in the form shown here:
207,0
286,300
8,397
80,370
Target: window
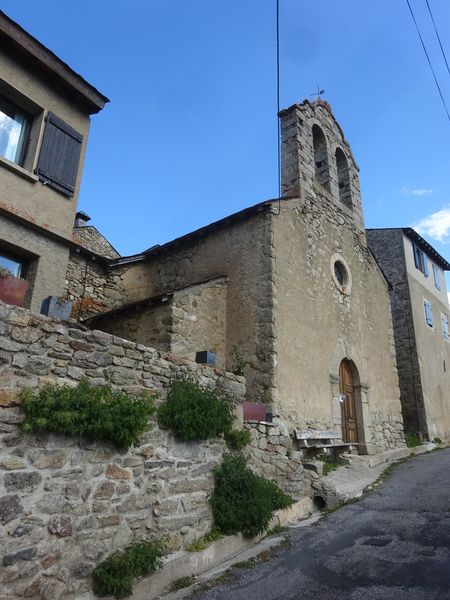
59,156
14,129
444,321
13,265
437,277
428,313
343,178
420,260
322,172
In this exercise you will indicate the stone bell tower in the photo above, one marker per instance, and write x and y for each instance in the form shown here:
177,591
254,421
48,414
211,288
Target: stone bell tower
317,162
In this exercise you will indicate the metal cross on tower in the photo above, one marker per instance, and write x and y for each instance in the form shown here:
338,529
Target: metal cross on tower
318,94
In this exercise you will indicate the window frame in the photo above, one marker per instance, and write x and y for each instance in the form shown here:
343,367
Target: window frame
428,313
36,115
420,260
437,277
22,261
8,107
444,324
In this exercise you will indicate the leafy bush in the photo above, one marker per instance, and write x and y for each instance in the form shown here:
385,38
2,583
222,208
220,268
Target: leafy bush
238,438
114,576
96,413
203,542
412,440
243,501
194,412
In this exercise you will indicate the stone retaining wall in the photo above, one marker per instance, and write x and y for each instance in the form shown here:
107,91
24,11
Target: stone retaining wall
66,504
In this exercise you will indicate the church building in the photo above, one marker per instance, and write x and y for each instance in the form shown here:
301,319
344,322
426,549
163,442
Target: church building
286,291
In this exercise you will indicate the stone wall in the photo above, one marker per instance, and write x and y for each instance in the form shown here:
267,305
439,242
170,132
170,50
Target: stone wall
182,322
90,238
67,504
91,286
243,254
272,454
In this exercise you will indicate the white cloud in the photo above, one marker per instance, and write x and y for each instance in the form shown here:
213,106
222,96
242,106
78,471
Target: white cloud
406,191
422,192
436,225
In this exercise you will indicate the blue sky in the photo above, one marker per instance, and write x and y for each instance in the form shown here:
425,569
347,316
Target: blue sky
190,133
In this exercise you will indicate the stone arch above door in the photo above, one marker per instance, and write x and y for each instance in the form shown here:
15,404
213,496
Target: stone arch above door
360,392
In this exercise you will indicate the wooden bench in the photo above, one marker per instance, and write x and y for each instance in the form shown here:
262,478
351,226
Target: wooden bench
314,438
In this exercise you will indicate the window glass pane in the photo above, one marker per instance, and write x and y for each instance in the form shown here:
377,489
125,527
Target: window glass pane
444,320
13,266
428,313
13,131
437,277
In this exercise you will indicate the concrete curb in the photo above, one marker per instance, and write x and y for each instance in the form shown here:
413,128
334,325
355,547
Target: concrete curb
183,564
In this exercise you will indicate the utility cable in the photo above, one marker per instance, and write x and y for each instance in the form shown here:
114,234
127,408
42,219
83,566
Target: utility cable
438,37
278,103
428,59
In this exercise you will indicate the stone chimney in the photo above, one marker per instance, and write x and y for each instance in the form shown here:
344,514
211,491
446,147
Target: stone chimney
81,219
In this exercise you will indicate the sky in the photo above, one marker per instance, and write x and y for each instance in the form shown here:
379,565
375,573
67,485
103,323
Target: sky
190,134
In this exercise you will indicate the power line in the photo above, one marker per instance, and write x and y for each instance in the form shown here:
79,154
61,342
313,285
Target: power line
428,59
278,98
438,37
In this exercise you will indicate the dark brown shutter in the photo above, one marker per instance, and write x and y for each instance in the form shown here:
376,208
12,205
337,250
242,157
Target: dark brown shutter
60,155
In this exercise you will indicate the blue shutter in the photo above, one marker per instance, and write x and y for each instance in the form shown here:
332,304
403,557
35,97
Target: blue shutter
428,313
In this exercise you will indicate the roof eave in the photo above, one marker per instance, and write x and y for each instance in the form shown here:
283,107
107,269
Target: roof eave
19,39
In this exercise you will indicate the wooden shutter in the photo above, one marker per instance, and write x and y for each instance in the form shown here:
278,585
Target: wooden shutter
60,155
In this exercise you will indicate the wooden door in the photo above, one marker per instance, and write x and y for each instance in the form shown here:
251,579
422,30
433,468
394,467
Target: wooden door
348,405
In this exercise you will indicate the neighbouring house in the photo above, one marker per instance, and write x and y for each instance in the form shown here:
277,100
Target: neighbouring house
45,110
286,290
420,314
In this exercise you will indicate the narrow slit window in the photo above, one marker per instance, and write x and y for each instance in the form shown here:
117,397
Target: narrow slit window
322,169
343,175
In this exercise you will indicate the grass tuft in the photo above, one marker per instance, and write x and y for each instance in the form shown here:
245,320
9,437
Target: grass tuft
204,541
115,575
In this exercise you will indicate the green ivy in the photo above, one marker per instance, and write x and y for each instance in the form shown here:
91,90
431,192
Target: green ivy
412,440
238,438
243,501
115,575
96,413
194,412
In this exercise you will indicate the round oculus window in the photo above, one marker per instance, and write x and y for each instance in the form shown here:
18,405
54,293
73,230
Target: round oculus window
340,272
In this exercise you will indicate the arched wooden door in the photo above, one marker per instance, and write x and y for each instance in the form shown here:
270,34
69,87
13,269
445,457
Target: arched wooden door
348,405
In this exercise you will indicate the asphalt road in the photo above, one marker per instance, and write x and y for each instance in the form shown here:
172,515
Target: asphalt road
392,545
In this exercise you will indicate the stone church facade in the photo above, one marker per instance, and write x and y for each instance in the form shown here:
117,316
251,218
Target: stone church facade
289,284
